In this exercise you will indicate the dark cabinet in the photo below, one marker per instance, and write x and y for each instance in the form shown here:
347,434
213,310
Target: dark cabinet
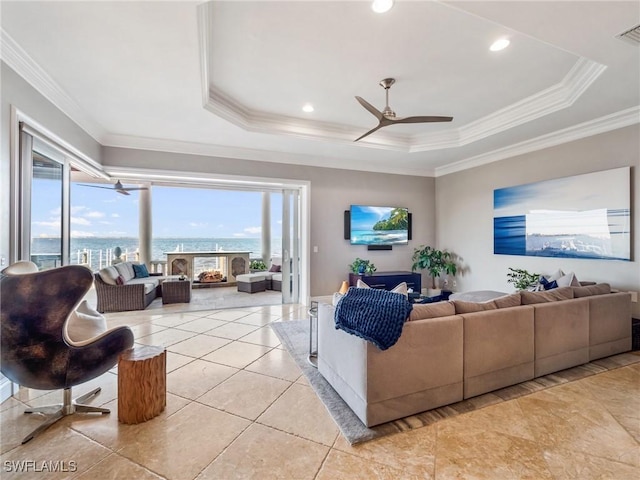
388,280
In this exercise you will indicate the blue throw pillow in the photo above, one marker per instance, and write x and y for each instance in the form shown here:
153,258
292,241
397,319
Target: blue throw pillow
140,270
547,285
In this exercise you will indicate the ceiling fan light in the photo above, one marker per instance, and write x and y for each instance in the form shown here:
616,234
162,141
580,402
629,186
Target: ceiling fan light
308,108
499,44
381,6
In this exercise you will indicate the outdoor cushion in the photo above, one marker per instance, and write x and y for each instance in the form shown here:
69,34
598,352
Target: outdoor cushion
109,275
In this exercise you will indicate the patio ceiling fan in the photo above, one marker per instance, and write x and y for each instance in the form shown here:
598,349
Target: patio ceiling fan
117,187
388,117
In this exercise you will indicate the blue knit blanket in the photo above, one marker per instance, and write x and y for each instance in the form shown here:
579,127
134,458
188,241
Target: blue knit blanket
372,314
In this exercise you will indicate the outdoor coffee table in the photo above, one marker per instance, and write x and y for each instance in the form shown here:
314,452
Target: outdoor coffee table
176,291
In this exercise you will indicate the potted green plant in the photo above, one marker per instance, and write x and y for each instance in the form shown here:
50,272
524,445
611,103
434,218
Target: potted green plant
257,266
362,267
521,278
434,261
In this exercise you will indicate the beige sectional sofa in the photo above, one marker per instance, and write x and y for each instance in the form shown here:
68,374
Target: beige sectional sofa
450,351
128,293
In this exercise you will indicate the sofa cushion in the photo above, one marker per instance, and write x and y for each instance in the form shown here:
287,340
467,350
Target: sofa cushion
598,289
141,271
109,275
423,311
470,307
275,268
513,300
560,293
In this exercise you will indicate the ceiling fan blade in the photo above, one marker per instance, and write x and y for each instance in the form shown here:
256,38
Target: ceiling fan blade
373,110
128,189
94,186
122,191
421,119
380,125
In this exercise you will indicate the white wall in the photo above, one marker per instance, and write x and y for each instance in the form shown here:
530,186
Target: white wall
332,192
464,211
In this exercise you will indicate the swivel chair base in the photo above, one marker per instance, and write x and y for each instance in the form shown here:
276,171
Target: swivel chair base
61,410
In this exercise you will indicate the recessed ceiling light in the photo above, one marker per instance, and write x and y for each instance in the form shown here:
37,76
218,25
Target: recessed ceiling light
499,44
381,6
307,107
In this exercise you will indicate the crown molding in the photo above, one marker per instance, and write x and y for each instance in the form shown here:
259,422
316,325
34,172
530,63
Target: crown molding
241,153
21,62
623,118
557,97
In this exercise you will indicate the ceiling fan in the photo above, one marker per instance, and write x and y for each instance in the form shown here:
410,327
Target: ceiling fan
118,187
388,117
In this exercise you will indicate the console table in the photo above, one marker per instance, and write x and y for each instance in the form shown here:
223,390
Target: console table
388,280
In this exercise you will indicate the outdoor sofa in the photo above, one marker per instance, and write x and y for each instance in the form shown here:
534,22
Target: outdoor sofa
118,289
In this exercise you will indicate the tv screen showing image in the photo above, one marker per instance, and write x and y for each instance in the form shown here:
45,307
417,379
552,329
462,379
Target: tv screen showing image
379,225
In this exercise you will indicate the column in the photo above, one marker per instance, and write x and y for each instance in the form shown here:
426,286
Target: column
144,226
266,228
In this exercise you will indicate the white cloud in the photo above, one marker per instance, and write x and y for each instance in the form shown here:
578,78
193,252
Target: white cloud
253,229
239,234
51,224
198,224
115,215
80,221
94,214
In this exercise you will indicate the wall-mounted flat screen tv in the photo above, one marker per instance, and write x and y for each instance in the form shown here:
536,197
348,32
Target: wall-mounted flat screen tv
379,225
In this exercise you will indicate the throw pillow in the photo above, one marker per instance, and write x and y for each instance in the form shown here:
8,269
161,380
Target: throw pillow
560,293
548,284
141,270
568,280
275,268
507,301
120,280
402,289
336,298
422,311
472,307
109,275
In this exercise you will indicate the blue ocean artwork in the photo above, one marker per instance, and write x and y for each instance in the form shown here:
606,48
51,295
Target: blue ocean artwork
571,217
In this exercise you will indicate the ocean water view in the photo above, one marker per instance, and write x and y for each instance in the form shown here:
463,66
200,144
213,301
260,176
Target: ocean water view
98,251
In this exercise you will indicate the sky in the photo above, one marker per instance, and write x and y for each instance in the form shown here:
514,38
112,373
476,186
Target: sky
176,212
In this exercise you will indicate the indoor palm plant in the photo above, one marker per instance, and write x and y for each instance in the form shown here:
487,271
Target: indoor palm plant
434,261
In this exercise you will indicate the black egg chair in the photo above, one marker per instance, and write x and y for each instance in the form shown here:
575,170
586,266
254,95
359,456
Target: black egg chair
35,350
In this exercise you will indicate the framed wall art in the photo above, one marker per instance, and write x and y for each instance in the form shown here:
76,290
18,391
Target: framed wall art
583,216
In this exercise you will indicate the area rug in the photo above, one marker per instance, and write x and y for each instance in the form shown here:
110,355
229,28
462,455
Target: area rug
294,336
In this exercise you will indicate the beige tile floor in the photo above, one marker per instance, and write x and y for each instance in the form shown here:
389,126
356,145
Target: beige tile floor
238,407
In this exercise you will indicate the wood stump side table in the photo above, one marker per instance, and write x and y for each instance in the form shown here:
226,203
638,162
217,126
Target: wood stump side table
142,383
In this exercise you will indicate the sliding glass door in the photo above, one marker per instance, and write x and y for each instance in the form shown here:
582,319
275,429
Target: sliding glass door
44,181
290,246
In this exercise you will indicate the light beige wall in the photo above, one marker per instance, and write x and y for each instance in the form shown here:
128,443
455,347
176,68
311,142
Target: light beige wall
465,211
17,92
332,192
